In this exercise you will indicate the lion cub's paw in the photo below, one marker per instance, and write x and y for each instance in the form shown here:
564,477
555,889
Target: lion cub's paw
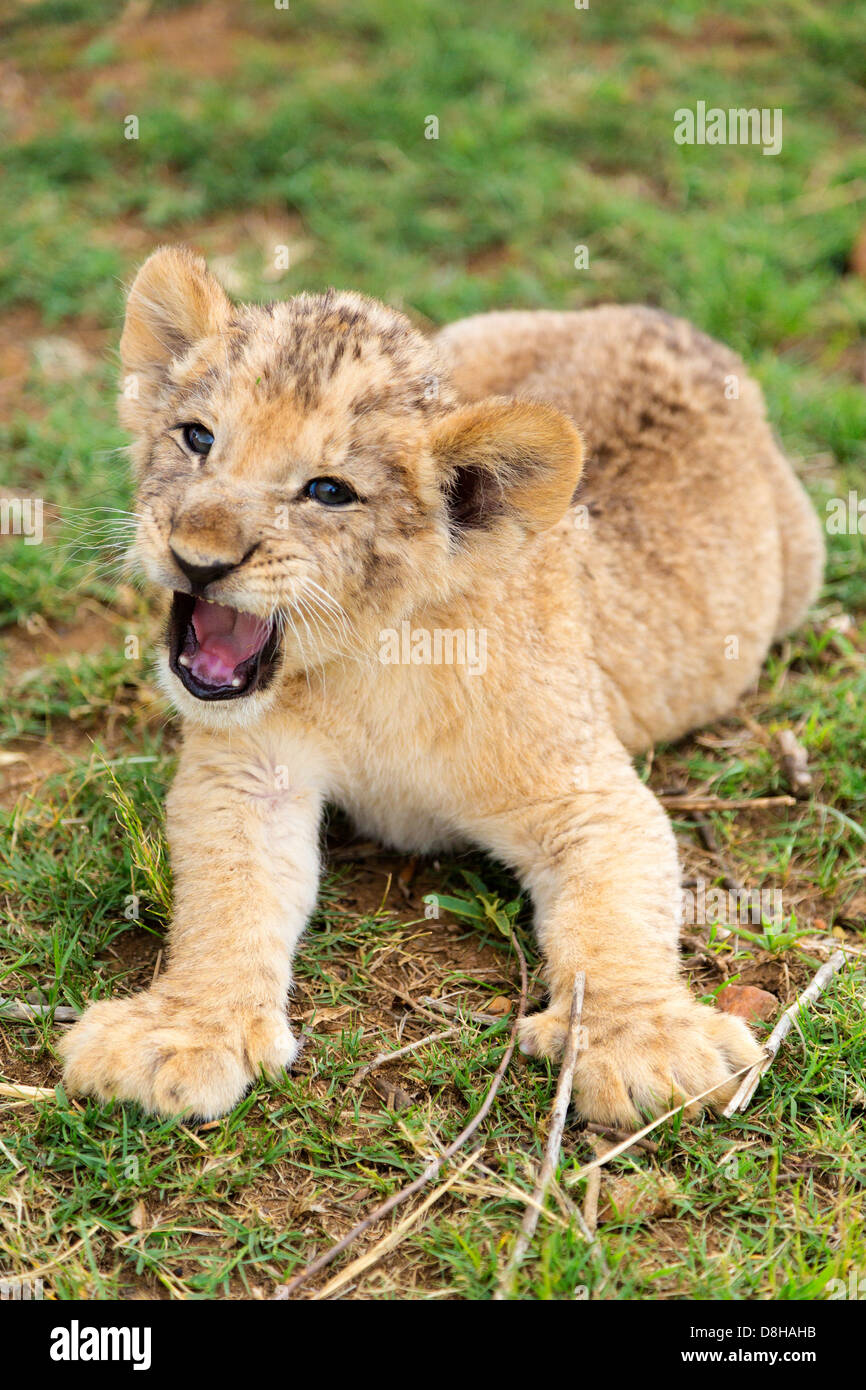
543,1034
156,1053
632,1067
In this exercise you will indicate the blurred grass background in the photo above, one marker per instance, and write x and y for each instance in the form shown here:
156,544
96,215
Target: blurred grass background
261,128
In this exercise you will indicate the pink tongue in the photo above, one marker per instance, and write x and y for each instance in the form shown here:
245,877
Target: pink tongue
225,639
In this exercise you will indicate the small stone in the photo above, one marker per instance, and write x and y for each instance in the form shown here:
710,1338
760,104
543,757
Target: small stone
139,1218
499,1006
745,1001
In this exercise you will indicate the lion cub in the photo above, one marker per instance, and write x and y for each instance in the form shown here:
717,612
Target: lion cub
324,495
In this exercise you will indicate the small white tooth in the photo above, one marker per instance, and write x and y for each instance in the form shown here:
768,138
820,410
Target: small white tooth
236,682
183,661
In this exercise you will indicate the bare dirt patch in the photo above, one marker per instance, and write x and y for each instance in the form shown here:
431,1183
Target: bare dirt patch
27,762
30,348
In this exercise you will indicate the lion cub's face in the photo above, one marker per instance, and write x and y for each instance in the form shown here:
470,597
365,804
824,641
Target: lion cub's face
305,481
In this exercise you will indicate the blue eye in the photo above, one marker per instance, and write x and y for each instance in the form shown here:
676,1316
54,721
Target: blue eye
330,492
198,438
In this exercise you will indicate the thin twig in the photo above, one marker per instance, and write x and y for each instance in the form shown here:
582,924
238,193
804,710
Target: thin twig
31,1093
590,1236
590,1200
618,1135
554,1142
501,1186
572,1212
393,1238
457,1011
434,1167
719,803
708,839
829,943
19,1011
402,994
384,1057
10,1157
749,1084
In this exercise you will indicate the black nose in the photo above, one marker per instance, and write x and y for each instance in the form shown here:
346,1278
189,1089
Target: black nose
200,576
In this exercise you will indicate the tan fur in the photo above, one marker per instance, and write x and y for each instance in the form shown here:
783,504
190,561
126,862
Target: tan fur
610,618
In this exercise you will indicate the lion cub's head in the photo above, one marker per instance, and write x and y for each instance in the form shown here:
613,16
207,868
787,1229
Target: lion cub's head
305,477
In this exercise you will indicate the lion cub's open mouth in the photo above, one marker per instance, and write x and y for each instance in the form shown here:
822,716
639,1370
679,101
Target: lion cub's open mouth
217,652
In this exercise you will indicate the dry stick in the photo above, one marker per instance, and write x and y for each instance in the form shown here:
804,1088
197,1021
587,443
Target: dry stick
554,1142
708,839
384,1057
590,1236
31,1093
393,1238
401,994
456,1011
749,1084
829,943
590,1200
502,1187
718,803
609,1132
19,1011
572,1211
434,1167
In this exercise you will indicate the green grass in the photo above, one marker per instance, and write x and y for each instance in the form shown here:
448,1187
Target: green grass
765,1205
306,128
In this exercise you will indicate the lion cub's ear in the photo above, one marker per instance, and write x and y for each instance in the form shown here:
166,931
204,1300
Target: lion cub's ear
174,302
507,459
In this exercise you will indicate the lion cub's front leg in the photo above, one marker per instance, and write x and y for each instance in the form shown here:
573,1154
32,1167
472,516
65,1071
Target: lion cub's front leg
602,866
245,859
